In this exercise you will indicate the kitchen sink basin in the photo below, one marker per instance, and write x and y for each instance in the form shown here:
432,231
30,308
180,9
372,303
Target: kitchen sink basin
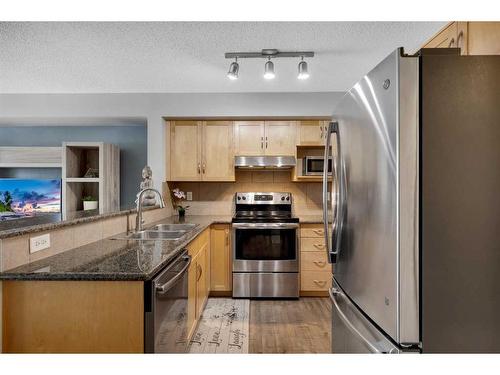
174,227
154,235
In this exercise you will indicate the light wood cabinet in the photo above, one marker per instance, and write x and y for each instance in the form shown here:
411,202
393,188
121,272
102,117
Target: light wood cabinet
249,138
198,278
315,270
446,38
311,132
279,138
185,153
265,138
483,38
220,258
473,38
217,155
201,151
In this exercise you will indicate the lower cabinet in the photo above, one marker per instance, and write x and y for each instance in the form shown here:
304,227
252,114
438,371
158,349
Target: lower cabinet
198,278
220,259
315,271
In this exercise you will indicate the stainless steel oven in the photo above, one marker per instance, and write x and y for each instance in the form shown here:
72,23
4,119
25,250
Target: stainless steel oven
265,246
166,303
313,165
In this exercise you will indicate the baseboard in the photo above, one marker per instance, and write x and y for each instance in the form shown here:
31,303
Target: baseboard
225,293
315,293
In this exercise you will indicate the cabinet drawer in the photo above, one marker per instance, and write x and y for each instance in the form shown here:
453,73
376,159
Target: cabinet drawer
312,230
312,244
314,261
314,280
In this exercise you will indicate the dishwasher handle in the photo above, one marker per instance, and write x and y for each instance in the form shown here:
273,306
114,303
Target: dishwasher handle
162,289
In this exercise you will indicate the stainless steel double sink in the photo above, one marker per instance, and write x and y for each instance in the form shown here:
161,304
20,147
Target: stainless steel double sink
162,232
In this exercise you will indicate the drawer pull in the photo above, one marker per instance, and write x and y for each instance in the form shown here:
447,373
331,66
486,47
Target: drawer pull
320,282
320,263
319,246
319,232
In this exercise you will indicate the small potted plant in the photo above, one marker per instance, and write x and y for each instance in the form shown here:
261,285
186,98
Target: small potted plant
89,203
178,197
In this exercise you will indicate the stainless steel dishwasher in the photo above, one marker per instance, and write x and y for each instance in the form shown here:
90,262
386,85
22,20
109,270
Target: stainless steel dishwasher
166,304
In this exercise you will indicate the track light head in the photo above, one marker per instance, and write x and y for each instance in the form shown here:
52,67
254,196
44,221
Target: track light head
232,74
303,72
269,70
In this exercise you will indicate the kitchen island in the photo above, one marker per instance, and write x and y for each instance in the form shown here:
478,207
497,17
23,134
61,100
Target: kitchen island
92,298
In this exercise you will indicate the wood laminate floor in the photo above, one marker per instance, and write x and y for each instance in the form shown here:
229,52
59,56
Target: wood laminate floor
290,326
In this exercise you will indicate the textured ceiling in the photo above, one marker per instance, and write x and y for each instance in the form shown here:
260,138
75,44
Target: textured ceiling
90,57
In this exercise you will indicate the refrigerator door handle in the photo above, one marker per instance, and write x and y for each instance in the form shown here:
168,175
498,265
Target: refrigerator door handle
332,242
335,291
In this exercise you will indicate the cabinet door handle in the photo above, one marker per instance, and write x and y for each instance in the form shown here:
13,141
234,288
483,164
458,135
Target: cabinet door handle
321,136
452,42
319,232
200,271
320,246
266,142
204,166
320,263
320,282
459,37
199,168
227,238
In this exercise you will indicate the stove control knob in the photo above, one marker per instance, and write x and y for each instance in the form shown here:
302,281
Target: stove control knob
239,198
288,198
282,198
244,198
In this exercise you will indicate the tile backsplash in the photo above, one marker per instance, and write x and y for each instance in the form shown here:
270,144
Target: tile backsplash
216,198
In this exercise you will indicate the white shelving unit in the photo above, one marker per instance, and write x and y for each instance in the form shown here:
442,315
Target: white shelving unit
77,159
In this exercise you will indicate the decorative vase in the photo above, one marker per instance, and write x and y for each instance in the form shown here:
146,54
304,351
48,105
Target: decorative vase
89,205
182,213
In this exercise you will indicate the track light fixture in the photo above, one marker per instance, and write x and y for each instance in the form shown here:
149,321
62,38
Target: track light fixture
232,74
269,66
303,73
269,69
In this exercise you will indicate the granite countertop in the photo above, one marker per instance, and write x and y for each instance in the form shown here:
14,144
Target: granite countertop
111,259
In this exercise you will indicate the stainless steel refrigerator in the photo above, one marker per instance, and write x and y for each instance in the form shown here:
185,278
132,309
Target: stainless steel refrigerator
412,212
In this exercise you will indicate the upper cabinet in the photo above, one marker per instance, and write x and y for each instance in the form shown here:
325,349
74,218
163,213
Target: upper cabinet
473,38
483,38
311,132
185,164
279,138
217,150
265,138
201,151
249,137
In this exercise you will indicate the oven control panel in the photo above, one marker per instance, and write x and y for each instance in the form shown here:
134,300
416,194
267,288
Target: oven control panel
263,198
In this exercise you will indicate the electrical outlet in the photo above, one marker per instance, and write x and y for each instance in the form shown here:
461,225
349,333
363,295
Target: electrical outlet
39,243
189,195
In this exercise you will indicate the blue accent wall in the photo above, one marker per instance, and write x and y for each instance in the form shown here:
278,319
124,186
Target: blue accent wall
132,141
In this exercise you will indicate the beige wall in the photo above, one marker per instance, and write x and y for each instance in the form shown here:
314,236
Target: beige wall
216,198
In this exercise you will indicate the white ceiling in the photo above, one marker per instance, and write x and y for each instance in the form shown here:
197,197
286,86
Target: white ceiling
90,57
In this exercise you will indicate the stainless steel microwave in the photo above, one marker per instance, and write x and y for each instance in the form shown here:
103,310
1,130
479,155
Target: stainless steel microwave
313,165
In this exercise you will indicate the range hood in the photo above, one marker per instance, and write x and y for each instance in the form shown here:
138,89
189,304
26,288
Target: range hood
264,162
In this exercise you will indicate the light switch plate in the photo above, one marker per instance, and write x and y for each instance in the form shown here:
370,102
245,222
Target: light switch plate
189,195
39,243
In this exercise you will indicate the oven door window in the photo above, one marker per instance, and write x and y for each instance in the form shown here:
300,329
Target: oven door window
265,244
